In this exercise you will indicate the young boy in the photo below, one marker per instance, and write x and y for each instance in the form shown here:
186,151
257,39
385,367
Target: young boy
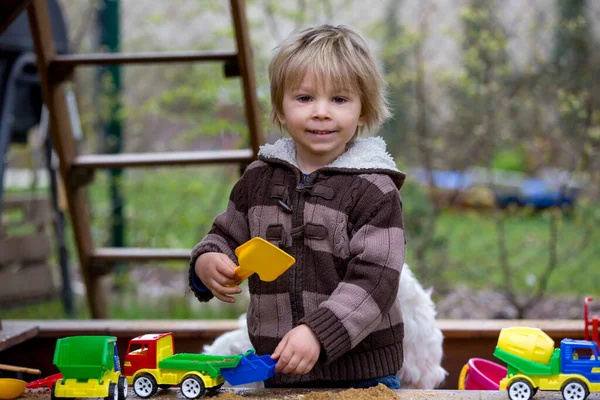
330,200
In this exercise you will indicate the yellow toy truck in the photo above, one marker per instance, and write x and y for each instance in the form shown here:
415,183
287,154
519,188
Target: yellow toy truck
533,363
89,367
151,364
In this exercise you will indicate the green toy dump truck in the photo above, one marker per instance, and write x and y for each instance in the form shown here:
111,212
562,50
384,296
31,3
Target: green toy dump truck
90,368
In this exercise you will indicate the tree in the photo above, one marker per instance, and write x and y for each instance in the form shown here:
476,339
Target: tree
396,44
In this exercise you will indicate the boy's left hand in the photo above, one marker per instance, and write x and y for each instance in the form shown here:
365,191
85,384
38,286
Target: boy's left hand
297,352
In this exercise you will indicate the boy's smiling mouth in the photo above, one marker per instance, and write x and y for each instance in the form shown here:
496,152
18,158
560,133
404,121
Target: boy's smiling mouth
319,132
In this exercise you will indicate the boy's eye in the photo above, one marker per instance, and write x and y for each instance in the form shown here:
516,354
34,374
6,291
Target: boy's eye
339,100
303,99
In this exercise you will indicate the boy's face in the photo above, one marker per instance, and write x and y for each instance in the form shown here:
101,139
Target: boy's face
321,120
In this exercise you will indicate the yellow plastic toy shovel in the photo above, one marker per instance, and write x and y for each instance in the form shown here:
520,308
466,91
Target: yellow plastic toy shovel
267,260
11,388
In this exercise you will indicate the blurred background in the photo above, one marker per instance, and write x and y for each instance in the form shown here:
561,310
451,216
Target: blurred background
496,122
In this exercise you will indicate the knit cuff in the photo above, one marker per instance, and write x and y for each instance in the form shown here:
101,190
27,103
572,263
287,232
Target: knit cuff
331,333
197,287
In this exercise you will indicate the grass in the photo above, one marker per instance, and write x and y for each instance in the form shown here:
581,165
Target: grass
164,208
474,250
174,208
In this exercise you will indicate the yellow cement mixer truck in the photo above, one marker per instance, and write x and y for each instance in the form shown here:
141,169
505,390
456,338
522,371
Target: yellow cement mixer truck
533,363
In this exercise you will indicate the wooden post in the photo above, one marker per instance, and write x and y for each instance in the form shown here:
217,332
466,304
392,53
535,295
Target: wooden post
64,145
244,49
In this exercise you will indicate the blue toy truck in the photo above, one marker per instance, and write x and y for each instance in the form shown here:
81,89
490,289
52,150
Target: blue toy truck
533,363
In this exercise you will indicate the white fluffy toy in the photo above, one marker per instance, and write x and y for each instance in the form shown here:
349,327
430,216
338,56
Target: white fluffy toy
422,338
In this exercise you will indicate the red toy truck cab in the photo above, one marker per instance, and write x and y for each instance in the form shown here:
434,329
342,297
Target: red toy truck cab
142,352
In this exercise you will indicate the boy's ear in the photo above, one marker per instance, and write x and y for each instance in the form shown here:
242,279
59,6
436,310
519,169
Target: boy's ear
361,120
281,118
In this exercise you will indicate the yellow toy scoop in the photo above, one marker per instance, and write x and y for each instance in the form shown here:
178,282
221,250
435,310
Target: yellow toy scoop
263,258
11,388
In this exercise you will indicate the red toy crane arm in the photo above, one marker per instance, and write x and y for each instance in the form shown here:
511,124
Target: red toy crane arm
594,323
586,301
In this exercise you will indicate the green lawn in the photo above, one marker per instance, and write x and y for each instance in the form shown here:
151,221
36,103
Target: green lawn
474,250
174,208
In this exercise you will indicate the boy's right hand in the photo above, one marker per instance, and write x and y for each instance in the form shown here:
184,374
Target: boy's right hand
216,271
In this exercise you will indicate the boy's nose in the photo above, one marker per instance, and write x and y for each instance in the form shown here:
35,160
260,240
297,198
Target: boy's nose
321,110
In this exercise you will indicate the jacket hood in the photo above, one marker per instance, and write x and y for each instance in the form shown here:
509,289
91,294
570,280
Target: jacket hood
363,155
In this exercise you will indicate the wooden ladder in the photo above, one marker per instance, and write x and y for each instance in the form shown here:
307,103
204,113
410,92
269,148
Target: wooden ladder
76,171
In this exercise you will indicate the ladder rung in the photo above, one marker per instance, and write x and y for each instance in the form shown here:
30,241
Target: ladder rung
121,254
163,159
142,58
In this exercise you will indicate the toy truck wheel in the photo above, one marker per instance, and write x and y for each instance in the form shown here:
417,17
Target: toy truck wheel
144,386
520,389
574,389
113,392
122,388
192,387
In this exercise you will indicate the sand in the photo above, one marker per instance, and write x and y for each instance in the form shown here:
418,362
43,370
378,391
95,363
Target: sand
380,392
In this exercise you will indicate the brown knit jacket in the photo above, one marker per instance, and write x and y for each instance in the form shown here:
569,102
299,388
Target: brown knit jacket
344,226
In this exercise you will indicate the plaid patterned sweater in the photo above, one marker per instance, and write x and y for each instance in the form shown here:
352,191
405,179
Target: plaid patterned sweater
344,226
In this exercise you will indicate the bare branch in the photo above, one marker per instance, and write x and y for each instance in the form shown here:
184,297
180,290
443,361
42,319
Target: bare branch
271,19
327,9
301,14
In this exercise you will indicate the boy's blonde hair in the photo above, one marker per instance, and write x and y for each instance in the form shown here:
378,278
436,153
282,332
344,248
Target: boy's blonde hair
337,55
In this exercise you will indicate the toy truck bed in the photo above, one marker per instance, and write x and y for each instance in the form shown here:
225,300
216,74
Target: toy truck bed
85,357
252,368
206,363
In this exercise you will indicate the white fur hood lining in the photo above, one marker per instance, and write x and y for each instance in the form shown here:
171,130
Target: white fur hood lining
362,154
